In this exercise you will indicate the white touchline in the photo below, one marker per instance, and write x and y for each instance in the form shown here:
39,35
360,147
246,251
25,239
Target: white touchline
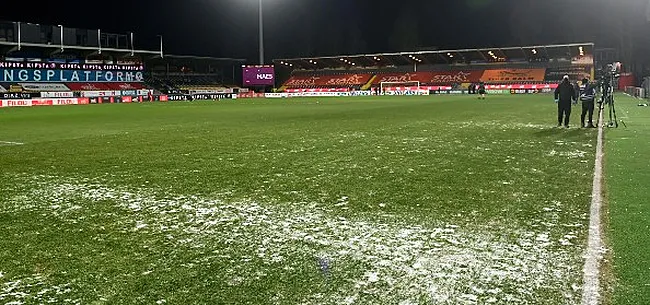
11,143
591,276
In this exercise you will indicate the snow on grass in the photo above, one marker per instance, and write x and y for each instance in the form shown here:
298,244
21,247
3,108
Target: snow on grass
34,289
502,125
392,261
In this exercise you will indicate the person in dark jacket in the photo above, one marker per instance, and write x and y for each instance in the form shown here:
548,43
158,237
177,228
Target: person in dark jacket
588,97
481,90
564,95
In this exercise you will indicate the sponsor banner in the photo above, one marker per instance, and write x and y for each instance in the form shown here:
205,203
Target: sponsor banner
64,101
514,75
127,99
204,91
143,92
250,94
42,102
348,80
276,95
213,96
583,60
361,93
18,95
497,91
407,92
63,76
57,94
319,90
450,77
43,87
531,91
124,86
421,77
88,87
15,88
329,80
99,93
129,92
258,75
519,86
576,73
178,97
68,66
164,98
2,89
59,101
16,103
128,62
318,94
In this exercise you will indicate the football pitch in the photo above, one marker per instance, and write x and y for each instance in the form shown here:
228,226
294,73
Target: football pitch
365,200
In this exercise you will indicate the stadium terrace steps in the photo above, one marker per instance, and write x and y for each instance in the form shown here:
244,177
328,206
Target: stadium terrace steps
494,75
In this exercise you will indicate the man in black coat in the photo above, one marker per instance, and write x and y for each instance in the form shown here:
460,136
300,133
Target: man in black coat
564,95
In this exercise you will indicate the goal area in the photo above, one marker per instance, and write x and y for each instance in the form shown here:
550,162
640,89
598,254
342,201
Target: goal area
392,86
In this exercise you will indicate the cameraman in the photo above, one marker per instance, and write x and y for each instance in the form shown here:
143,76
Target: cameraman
588,98
564,95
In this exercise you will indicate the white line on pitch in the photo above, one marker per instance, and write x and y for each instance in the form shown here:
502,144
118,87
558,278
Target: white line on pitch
11,143
591,270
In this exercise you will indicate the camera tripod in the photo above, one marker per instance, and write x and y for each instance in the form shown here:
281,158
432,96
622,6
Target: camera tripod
608,99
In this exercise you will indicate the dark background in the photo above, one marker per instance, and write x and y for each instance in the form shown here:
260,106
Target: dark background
229,28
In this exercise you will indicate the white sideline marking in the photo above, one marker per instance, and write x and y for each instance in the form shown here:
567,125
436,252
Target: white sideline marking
10,143
591,277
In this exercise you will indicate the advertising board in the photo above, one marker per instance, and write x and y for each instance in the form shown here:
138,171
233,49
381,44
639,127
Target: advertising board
213,96
258,75
276,95
514,75
63,76
17,95
69,66
44,87
57,94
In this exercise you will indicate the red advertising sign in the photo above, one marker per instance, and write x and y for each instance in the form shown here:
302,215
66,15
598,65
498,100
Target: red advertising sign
421,77
450,77
16,103
329,80
41,102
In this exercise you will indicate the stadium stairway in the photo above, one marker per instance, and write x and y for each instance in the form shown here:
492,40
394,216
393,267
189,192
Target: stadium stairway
369,83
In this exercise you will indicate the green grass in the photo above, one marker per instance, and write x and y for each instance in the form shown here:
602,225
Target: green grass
410,200
627,171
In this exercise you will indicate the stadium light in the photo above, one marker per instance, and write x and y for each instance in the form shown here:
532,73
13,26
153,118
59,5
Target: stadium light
261,20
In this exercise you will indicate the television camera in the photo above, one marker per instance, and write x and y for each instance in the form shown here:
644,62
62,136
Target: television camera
607,80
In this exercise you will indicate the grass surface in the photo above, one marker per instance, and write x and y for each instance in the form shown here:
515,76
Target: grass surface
627,173
412,200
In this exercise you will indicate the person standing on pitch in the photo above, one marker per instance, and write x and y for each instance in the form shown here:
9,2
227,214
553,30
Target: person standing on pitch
481,91
588,98
564,95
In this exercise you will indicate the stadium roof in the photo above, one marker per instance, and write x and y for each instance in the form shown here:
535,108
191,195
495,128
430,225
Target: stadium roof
435,57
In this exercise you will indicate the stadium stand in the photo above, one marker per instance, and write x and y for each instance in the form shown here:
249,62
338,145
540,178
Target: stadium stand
517,67
46,65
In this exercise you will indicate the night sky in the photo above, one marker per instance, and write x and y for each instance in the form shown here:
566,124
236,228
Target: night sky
228,28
